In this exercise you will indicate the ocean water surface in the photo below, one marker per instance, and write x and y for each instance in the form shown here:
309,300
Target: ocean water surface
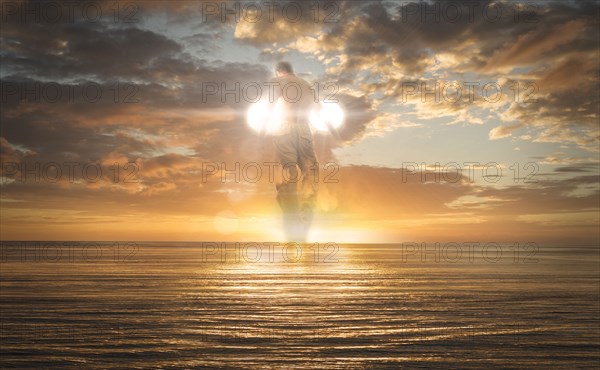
105,305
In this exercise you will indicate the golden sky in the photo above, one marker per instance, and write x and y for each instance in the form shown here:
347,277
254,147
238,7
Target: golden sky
128,89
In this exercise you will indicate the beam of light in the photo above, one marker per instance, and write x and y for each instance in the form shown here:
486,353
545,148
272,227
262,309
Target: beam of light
258,115
265,118
328,116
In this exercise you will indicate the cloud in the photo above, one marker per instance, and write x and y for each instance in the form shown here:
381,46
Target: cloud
275,22
503,131
549,49
372,50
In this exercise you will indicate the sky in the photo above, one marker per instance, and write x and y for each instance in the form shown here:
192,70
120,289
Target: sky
464,121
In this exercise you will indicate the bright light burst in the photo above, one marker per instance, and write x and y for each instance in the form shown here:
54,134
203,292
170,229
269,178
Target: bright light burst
258,114
262,117
329,116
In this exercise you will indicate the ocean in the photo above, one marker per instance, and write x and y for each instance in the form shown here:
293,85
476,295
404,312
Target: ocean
115,305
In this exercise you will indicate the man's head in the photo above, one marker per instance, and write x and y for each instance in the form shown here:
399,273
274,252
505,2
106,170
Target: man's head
283,68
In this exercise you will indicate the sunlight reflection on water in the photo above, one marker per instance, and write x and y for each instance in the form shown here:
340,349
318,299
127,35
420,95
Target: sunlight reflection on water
355,306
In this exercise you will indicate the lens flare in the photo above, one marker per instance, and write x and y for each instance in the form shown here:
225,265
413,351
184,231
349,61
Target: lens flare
328,116
264,117
258,115
267,118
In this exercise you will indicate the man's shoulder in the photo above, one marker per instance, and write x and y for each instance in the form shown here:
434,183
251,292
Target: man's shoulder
282,80
275,79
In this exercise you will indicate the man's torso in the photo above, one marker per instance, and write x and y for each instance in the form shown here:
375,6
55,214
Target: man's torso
293,98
